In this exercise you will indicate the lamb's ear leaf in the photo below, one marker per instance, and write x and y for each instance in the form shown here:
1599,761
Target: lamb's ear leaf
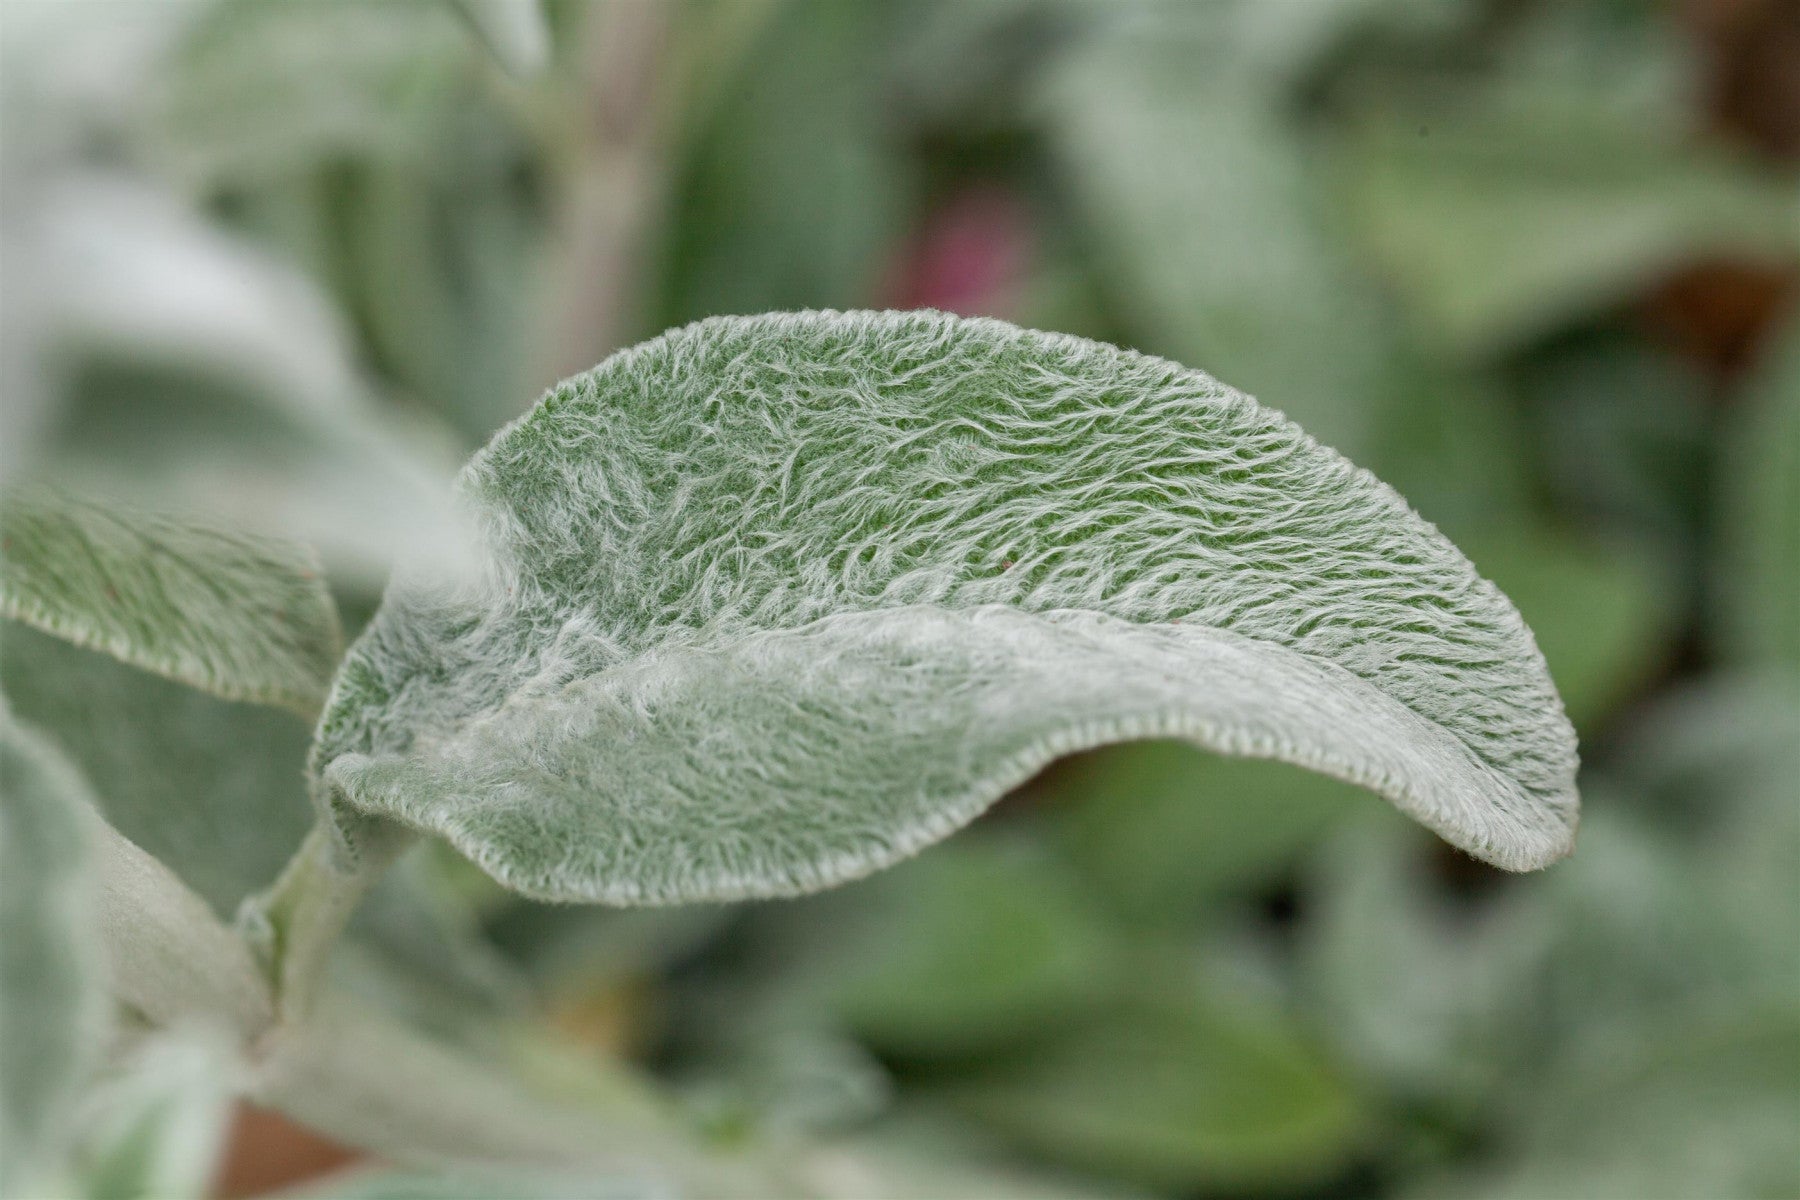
52,989
157,1124
770,603
240,616
211,788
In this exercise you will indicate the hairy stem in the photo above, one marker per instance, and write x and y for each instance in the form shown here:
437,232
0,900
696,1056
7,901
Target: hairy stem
362,1077
297,921
354,1072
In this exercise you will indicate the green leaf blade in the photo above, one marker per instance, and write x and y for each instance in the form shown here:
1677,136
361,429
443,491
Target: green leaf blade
52,976
773,602
243,617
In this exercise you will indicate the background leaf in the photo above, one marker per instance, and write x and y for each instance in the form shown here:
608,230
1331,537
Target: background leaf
155,1128
212,788
965,949
244,618
52,979
1167,830
514,31
1181,1093
1198,197
788,193
1756,595
199,375
1500,218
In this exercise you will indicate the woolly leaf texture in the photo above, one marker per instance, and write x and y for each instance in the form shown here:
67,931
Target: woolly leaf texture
768,603
241,616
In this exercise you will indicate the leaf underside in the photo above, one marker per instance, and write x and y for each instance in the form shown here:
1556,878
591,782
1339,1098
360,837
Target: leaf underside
211,788
769,603
243,617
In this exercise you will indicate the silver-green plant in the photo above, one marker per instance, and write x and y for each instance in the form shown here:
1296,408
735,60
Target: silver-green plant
756,608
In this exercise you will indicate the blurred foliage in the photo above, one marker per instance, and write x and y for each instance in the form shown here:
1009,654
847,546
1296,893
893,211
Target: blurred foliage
284,263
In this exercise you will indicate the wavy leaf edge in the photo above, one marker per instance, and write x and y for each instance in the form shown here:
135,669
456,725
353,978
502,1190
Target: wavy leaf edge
355,789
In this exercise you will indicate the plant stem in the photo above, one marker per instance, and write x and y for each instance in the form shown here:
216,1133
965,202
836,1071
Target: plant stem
359,1076
297,921
610,172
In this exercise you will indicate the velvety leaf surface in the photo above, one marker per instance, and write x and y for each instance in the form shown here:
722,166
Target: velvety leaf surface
213,788
243,617
52,995
769,603
1603,616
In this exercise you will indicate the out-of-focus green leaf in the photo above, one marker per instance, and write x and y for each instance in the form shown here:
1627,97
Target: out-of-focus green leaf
1198,194
212,788
1406,991
785,1074
443,258
514,31
420,212
1717,764
1501,223
202,376
1452,442
971,947
1678,911
1165,828
898,564
1698,1111
568,950
917,1157
1287,42
256,91
155,1128
1604,617
384,1183
1757,588
416,947
962,68
1624,430
245,618
52,990
1177,1091
1636,937
792,193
